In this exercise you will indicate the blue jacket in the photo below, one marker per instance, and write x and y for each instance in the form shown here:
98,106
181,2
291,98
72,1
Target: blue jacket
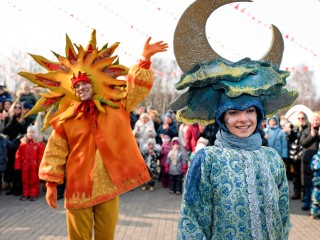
277,138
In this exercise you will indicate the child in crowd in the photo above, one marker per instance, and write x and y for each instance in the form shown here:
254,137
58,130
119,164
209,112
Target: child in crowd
165,148
201,143
176,166
315,197
151,155
28,158
4,144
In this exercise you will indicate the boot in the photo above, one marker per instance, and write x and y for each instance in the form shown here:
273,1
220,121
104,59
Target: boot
6,185
296,196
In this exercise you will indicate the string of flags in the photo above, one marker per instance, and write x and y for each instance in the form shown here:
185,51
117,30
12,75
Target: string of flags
132,27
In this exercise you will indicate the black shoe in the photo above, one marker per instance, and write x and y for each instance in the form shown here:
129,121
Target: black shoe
10,192
23,198
33,199
305,208
295,196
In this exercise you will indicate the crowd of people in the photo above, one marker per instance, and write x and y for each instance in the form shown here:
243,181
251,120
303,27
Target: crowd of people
22,146
158,136
166,145
298,144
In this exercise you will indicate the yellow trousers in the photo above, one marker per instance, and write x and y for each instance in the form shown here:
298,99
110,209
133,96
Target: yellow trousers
101,218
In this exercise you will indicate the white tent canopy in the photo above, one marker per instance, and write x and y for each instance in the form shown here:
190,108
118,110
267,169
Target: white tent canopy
292,114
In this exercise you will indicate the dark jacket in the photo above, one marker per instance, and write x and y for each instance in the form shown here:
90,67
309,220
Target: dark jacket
310,146
4,145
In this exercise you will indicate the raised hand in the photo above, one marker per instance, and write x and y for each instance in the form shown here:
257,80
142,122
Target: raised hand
150,49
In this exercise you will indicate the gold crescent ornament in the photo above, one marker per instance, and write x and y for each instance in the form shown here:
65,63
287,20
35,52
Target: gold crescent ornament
191,26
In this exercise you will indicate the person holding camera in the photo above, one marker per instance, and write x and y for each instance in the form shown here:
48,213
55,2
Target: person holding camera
309,140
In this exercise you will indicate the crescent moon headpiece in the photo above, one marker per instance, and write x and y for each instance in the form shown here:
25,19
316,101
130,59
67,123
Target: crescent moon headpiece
216,84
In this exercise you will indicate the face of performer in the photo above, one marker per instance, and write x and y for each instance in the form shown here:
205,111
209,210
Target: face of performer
241,123
83,90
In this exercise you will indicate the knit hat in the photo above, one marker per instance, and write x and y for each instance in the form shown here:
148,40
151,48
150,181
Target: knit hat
151,141
175,140
169,115
27,105
7,100
165,138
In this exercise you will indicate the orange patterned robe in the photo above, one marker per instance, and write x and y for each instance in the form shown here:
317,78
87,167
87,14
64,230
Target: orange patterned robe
98,155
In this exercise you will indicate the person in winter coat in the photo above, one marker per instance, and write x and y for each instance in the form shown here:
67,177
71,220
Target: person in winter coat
143,130
192,135
26,94
276,137
4,145
309,140
176,166
15,129
168,127
165,149
28,158
151,155
295,153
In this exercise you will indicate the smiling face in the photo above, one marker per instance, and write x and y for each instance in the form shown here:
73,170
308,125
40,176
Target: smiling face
7,105
17,109
83,90
241,123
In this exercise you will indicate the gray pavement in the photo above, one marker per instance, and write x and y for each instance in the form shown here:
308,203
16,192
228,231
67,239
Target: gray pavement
143,216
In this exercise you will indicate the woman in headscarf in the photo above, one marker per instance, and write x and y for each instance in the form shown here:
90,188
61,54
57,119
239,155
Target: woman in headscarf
236,189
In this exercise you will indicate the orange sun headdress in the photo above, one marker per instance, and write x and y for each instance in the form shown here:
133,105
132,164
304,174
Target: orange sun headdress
99,66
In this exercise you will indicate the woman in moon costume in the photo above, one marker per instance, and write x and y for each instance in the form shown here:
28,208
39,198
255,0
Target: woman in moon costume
236,189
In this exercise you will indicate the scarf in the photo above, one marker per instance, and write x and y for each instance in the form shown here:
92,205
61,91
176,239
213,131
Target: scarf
228,140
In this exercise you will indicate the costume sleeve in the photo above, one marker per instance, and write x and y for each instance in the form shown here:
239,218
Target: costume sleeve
139,83
40,152
52,167
196,213
315,162
284,200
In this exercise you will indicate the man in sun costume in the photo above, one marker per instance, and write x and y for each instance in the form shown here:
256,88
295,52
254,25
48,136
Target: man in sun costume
92,144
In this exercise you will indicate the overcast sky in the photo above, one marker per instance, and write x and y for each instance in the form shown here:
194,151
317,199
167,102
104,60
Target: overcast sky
235,31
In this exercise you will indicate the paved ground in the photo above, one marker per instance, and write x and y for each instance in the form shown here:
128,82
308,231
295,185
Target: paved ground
143,215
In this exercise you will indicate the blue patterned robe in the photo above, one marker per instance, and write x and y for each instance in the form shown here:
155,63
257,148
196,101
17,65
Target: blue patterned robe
235,194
